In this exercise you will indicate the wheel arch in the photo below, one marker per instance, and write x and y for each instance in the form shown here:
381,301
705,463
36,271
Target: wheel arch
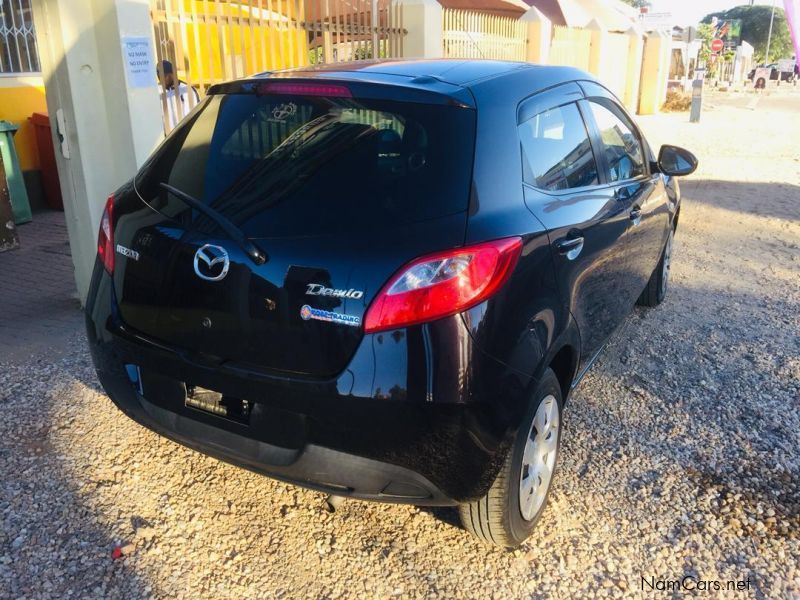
563,357
565,365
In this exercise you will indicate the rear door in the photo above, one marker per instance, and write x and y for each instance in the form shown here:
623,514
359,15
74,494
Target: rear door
641,192
566,189
338,191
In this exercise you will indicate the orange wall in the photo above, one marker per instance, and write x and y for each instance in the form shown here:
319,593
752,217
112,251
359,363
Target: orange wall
19,98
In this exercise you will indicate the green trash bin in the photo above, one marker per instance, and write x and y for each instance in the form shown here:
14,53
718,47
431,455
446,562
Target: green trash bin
16,185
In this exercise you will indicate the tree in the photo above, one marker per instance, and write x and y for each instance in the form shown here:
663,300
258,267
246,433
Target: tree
638,3
755,29
705,33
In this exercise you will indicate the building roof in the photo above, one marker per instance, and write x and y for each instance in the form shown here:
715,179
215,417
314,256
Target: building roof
501,8
613,15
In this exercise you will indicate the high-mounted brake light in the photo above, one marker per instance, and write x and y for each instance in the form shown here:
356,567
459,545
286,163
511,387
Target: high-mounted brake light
305,89
443,284
105,239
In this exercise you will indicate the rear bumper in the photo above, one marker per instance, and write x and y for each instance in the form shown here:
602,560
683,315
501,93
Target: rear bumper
438,443
312,466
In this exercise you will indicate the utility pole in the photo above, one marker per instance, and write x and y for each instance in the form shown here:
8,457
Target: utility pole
769,35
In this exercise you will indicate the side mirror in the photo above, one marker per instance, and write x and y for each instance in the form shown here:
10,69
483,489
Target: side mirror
675,161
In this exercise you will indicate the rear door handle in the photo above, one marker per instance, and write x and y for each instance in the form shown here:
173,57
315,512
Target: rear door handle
636,215
570,246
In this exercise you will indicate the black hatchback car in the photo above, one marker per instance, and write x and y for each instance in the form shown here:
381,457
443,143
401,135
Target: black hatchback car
382,280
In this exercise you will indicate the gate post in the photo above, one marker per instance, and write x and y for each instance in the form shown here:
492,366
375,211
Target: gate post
98,66
598,49
327,36
423,21
540,30
653,72
633,72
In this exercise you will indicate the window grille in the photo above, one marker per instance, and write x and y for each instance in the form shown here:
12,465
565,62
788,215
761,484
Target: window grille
18,51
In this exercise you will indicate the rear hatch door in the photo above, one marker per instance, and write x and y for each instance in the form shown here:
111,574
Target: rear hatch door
338,191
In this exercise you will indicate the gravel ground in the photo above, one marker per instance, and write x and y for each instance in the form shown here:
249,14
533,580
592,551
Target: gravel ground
680,452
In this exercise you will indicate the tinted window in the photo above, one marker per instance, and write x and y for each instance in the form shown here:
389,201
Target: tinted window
621,145
556,153
281,165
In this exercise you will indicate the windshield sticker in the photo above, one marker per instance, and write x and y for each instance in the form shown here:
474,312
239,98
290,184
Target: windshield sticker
318,314
284,111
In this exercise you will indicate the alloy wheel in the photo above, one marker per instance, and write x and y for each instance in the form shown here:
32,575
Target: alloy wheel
539,457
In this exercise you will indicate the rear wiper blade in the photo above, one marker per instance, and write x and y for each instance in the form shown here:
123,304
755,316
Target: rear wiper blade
257,255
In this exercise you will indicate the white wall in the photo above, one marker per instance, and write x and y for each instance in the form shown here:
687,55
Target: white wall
108,127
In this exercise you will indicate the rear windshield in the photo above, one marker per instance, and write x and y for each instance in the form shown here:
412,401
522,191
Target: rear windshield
280,165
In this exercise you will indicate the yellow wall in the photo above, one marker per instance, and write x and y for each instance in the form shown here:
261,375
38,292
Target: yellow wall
19,98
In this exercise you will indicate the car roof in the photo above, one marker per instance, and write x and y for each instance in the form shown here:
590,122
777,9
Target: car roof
466,73
461,80
453,71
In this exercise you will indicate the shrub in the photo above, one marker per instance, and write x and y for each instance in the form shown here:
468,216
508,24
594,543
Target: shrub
677,102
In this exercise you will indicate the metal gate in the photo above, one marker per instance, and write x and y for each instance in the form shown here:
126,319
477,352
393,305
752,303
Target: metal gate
209,41
470,34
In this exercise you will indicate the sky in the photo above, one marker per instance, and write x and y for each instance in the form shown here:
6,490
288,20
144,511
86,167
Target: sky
689,12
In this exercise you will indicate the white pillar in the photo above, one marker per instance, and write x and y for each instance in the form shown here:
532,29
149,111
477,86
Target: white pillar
423,21
540,30
105,121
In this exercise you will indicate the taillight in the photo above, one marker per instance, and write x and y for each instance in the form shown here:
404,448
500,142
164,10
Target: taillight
105,239
443,284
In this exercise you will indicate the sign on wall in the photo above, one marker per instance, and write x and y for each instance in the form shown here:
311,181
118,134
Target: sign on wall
140,68
656,21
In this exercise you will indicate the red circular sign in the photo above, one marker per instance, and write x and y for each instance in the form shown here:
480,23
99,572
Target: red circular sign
717,45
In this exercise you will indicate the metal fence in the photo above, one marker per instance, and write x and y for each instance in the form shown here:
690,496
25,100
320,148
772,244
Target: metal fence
469,34
209,41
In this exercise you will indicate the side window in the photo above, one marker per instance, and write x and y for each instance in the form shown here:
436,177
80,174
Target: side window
621,145
556,153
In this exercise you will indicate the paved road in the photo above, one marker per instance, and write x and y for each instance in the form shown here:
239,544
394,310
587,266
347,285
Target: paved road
39,308
785,98
680,448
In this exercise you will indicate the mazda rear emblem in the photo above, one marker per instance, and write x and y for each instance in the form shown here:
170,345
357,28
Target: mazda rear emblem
212,256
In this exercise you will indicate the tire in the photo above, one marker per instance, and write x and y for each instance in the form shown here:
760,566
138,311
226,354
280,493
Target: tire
656,289
500,518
